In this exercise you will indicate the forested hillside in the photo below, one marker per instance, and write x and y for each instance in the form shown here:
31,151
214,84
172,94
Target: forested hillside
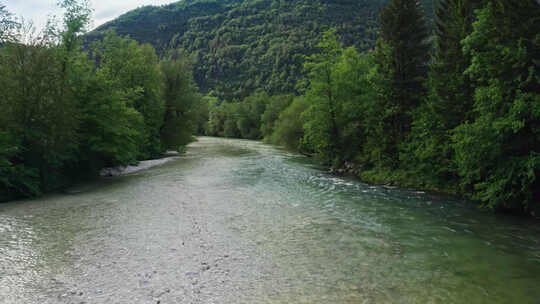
242,45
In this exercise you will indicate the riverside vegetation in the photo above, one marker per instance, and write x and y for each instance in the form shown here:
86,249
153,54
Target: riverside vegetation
68,112
458,113
453,106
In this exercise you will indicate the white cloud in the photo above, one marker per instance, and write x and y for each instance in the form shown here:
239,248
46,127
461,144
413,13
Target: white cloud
104,10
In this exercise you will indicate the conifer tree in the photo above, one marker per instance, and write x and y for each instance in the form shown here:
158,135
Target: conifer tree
402,55
450,96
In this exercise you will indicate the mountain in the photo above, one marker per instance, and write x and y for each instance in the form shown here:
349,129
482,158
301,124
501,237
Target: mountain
239,46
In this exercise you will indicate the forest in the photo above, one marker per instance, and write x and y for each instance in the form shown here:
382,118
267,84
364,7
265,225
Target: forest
240,46
443,98
68,112
456,109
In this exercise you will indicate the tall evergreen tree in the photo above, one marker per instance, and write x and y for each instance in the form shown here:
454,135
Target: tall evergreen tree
402,55
450,97
452,89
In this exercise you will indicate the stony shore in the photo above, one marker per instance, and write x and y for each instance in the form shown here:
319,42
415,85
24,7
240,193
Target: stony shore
142,165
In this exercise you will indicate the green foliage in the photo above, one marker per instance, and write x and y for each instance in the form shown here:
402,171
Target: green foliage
250,113
473,122
35,80
202,115
354,91
132,69
321,129
112,129
241,46
181,100
450,97
288,129
497,152
276,105
15,177
465,120
238,119
339,89
65,115
8,25
401,54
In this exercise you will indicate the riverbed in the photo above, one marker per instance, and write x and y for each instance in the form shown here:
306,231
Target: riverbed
235,221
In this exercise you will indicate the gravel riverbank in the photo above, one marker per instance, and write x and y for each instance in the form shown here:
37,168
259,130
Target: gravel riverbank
142,165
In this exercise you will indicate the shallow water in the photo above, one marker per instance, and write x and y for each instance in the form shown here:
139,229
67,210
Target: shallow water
237,221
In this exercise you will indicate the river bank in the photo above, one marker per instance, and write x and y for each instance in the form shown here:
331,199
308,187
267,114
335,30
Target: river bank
401,179
168,156
142,165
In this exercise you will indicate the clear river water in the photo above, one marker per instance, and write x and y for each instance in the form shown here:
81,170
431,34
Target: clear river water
235,221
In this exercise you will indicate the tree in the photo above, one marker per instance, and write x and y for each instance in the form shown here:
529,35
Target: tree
402,56
450,97
181,97
133,69
251,110
38,78
498,152
321,128
276,105
112,130
354,93
8,25
288,130
15,177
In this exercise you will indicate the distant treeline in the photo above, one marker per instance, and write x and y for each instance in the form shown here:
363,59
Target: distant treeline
459,113
67,112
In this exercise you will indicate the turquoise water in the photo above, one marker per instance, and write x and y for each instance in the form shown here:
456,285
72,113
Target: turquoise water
236,221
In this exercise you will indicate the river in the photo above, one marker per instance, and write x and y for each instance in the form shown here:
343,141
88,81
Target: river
236,221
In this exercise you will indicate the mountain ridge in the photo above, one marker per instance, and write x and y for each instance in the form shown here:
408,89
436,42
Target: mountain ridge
239,46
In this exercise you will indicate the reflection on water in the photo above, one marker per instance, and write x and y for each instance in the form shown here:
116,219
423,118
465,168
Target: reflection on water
238,221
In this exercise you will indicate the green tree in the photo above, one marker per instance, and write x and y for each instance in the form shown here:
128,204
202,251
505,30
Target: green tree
450,97
241,46
202,110
250,112
402,56
230,124
215,117
354,93
112,129
321,128
132,69
181,99
15,178
288,130
276,105
38,78
8,25
498,153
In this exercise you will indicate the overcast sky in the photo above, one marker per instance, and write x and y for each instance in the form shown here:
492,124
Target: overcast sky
104,10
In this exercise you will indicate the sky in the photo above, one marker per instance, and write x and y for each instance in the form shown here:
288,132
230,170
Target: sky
104,10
